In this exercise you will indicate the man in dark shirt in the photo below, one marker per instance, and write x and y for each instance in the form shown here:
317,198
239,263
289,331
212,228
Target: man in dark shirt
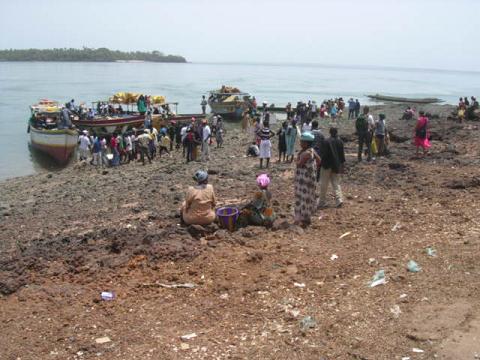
333,159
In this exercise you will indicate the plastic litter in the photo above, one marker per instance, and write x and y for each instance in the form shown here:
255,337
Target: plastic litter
103,340
431,251
344,235
416,350
188,336
334,257
396,226
107,295
300,285
378,278
412,266
307,322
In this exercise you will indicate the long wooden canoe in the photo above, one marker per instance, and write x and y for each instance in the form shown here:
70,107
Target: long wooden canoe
404,99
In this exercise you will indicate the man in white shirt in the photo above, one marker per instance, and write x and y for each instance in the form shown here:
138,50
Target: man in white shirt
84,146
206,134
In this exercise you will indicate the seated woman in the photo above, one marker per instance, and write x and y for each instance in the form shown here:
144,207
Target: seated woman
199,205
259,211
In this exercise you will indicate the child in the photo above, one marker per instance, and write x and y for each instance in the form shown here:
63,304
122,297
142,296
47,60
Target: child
259,211
164,144
265,144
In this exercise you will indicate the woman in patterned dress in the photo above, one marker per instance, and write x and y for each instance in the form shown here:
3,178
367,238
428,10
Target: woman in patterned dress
305,174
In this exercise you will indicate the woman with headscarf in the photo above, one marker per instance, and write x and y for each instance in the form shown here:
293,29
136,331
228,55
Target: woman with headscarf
421,134
305,176
290,138
199,205
259,211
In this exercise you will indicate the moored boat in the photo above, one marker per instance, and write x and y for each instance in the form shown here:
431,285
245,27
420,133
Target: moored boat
48,134
404,99
229,102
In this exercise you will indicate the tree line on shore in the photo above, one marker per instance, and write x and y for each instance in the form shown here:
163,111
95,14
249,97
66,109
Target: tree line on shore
86,54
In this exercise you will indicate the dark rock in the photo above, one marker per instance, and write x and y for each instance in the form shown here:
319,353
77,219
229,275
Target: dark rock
280,225
197,230
212,172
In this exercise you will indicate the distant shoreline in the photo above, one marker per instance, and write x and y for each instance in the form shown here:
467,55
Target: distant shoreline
86,55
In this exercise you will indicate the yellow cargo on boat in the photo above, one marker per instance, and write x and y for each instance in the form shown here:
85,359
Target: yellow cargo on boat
157,99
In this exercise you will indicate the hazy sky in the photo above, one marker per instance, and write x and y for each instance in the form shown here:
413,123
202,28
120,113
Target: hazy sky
421,33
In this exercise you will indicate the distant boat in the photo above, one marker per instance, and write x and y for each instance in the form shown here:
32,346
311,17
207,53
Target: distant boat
229,102
46,136
405,100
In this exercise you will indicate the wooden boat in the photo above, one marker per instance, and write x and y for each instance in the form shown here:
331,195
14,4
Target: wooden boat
45,134
404,99
229,102
110,124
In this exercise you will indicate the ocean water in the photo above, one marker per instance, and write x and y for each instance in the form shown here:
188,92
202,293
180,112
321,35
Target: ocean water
24,83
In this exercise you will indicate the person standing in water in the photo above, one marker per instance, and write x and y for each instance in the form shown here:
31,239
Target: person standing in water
203,104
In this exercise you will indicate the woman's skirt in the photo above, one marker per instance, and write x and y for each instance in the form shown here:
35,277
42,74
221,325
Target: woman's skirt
265,149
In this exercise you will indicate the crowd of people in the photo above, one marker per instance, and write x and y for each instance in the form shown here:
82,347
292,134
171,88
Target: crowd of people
318,164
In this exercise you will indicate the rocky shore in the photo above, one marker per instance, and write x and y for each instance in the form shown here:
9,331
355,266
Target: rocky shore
259,293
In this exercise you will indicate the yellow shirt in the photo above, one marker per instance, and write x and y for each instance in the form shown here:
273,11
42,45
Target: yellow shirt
199,207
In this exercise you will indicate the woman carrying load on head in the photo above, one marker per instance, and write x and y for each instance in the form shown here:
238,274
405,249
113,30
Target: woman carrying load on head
421,134
199,205
305,176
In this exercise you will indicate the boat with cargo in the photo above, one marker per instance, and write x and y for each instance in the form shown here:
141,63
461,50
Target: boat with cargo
229,102
50,132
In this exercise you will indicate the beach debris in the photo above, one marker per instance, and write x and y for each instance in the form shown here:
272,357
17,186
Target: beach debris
334,257
107,295
406,358
378,278
188,336
307,322
431,251
344,235
413,267
224,296
403,296
172,286
300,285
396,226
103,340
417,350
184,346
395,310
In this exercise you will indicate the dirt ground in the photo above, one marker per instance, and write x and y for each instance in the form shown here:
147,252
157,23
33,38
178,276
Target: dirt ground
67,236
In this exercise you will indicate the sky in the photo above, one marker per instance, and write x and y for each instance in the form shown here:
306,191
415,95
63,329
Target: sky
433,34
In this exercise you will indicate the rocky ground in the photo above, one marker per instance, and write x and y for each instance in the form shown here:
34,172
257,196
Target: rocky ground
286,293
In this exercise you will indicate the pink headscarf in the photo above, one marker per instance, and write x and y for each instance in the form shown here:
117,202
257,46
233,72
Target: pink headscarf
263,180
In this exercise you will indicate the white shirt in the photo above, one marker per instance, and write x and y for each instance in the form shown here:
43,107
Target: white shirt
306,127
371,122
183,132
84,142
206,132
128,145
214,120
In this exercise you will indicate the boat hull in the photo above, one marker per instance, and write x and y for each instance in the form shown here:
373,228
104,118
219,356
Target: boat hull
58,144
405,100
109,125
229,110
